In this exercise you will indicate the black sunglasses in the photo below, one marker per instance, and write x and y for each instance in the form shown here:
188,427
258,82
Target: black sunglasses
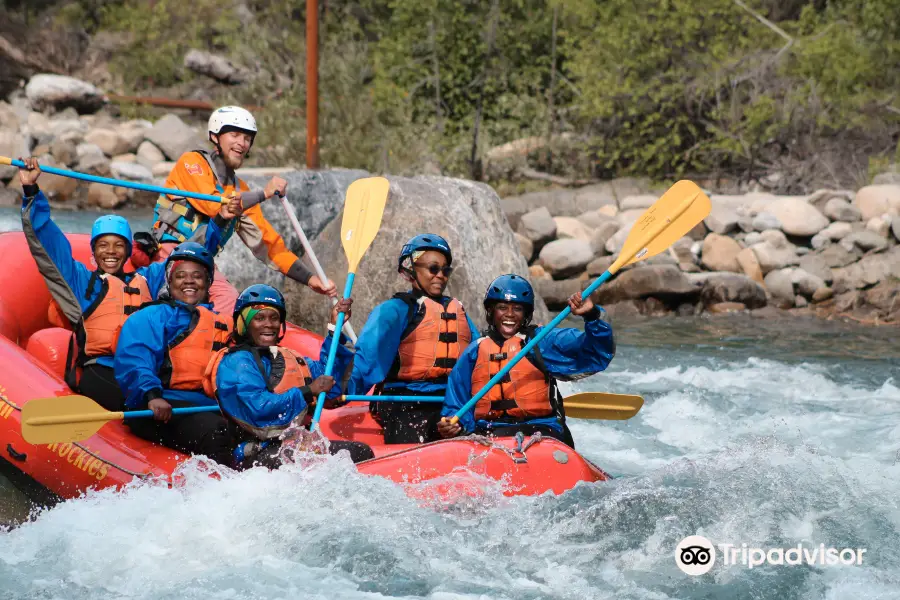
434,269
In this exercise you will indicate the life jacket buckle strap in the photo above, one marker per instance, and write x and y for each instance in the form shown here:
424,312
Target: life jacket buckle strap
445,363
499,356
221,326
130,309
447,338
448,316
132,290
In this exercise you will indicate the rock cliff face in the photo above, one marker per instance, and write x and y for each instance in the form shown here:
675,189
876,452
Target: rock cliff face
466,213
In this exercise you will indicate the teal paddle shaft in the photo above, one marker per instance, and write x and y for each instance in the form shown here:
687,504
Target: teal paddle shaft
524,351
358,398
121,182
332,353
141,414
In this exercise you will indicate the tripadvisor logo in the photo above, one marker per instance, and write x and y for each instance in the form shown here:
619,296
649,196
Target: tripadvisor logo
696,555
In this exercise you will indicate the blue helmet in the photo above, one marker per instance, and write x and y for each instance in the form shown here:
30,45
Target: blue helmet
112,225
194,252
260,293
510,288
425,241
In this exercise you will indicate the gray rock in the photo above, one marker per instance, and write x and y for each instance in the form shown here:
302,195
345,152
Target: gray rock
815,264
132,171
441,205
753,237
838,209
660,281
171,135
836,231
771,258
599,265
14,145
595,218
895,228
556,293
807,283
776,238
868,271
571,228
800,302
602,235
837,256
564,202
107,140
865,241
92,159
820,198
720,287
643,202
798,217
880,225
538,226
526,247
64,152
719,253
722,219
149,155
823,294
819,241
57,92
564,258
765,220
133,132
780,285
9,197
215,66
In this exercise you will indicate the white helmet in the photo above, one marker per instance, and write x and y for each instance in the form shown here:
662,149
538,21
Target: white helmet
231,116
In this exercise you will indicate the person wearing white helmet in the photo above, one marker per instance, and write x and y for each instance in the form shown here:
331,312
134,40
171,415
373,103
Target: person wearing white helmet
232,130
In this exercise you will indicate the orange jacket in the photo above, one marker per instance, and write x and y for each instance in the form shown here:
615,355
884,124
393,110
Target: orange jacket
523,394
98,330
430,350
192,172
189,354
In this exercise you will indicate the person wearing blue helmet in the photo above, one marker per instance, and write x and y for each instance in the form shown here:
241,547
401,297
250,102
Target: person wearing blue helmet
410,343
93,303
265,389
527,400
162,355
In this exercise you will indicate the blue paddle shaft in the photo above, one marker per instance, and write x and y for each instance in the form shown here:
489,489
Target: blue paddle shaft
358,398
141,414
121,182
332,352
524,351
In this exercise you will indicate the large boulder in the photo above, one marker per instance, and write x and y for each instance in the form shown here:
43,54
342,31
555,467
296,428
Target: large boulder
865,240
665,282
780,285
838,209
602,234
722,219
526,247
571,228
538,226
149,155
798,217
171,135
815,264
771,257
131,170
717,287
746,259
837,256
440,205
875,200
870,270
572,202
765,220
56,92
555,293
133,132
720,252
564,258
107,140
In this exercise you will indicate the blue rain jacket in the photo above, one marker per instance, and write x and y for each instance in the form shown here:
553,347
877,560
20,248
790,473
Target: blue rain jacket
243,395
376,349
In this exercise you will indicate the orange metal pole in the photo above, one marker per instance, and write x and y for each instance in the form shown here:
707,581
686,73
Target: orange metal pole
312,84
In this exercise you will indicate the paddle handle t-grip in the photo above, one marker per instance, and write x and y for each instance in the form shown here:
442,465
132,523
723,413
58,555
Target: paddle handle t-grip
332,353
307,247
117,182
646,237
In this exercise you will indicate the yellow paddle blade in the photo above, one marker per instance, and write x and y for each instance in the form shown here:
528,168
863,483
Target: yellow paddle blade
363,209
63,419
602,406
670,218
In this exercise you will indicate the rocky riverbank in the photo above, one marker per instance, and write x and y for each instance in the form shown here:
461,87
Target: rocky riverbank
833,253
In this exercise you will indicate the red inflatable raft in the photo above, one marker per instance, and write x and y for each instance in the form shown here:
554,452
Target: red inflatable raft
32,360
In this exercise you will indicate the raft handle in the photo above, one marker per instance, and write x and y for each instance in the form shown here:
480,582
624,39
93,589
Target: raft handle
19,456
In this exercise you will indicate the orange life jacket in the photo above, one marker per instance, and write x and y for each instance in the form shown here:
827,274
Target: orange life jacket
524,393
98,330
188,355
434,338
291,371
